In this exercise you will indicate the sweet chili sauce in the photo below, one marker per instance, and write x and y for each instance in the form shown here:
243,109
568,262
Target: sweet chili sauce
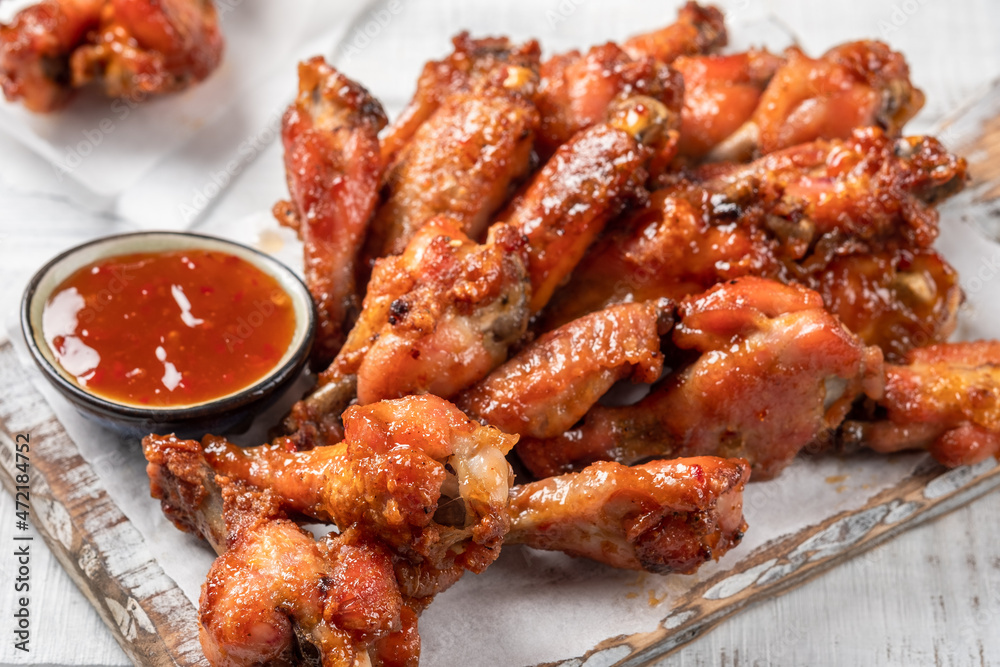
168,329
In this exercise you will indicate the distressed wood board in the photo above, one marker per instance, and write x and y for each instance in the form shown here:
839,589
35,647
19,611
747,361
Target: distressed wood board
155,621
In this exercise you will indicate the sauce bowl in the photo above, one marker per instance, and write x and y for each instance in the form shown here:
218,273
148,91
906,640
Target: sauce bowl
232,410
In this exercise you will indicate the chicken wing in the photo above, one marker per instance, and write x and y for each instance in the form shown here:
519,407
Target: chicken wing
150,46
721,93
577,90
809,214
774,371
35,49
853,85
945,398
462,162
334,169
549,386
275,595
435,319
129,47
697,30
415,473
662,516
471,63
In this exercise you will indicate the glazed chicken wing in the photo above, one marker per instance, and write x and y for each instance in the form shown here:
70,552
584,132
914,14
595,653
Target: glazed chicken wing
276,596
473,62
578,90
945,398
857,84
721,93
462,162
851,219
662,516
150,46
549,386
35,49
128,47
435,319
334,169
774,370
415,472
697,30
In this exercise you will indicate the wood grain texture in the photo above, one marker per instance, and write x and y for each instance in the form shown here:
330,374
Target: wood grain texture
102,552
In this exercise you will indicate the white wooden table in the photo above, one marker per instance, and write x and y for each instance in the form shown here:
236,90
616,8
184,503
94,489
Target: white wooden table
930,596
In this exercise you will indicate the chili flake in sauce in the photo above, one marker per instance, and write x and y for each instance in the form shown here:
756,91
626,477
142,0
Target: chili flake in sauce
168,329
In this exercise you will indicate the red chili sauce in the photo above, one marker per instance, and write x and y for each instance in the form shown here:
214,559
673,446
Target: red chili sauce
168,329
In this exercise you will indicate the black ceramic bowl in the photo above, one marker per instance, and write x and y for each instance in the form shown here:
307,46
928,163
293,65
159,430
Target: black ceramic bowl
229,413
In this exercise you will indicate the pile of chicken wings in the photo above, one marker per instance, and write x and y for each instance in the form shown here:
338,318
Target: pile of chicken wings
640,273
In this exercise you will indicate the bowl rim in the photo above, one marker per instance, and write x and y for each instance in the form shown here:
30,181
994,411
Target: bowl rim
233,401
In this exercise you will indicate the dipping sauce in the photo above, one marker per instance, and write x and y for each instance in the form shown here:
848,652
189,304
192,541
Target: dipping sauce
168,329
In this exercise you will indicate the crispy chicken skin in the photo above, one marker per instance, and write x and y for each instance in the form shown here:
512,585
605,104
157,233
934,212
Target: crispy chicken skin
415,473
945,398
462,162
698,29
35,49
334,168
435,319
586,184
851,219
549,386
472,62
662,516
275,595
853,85
773,372
127,47
578,90
721,93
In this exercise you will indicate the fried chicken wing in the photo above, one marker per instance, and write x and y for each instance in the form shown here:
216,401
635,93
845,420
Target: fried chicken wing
721,94
774,370
435,319
334,169
548,386
697,30
414,472
128,47
662,516
462,162
578,90
896,300
35,49
150,46
471,63
850,219
853,85
275,595
945,398
587,183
